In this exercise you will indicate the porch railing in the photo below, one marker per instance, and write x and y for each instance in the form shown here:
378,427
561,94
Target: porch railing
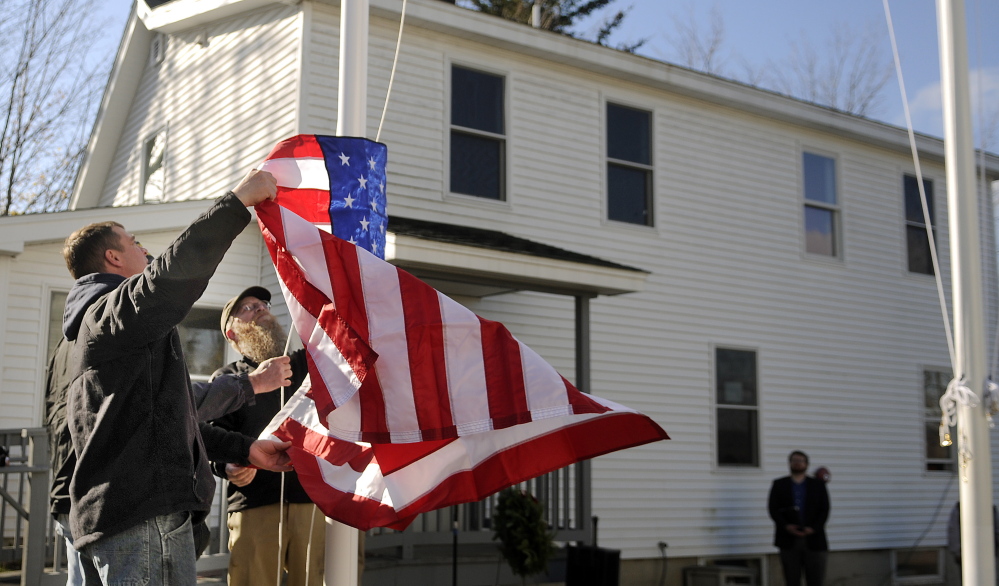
31,538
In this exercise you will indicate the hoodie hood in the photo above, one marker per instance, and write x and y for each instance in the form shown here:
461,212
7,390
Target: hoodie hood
84,293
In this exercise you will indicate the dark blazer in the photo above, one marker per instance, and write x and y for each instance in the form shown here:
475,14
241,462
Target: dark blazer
782,511
251,419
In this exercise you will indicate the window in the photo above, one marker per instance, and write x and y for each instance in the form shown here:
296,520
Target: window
153,173
737,400
478,141
821,205
629,165
917,566
203,342
915,225
934,386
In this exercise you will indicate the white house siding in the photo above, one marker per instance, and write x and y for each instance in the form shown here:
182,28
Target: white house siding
841,343
224,105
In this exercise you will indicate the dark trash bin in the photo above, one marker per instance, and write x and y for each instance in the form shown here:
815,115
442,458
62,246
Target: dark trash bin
587,565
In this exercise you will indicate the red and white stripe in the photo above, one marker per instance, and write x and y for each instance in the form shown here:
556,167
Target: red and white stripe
368,324
414,402
388,485
303,182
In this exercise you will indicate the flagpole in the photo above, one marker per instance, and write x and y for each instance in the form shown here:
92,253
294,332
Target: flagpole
342,540
975,471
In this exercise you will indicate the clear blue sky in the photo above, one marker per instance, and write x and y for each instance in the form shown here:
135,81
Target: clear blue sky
762,32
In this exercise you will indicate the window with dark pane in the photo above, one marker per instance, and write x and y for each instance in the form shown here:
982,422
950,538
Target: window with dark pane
478,141
736,396
917,240
203,342
629,165
821,204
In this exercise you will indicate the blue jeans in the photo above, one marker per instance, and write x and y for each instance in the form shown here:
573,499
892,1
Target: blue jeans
156,552
74,565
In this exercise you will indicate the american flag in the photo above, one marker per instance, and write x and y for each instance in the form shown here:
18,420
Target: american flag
415,402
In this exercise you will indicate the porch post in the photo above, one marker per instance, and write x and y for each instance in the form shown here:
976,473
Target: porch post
583,488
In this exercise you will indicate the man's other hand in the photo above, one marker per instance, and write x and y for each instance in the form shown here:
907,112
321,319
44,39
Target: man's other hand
272,373
256,187
239,475
270,455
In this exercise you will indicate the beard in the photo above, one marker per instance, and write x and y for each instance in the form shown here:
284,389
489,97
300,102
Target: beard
259,340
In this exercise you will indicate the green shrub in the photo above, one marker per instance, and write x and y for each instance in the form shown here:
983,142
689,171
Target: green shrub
519,523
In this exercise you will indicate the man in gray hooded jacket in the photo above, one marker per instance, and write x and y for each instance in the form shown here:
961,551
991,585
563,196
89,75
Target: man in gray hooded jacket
142,472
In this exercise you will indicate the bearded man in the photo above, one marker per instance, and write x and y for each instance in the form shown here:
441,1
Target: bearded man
254,496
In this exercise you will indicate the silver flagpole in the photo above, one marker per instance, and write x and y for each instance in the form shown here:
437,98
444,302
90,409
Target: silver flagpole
974,459
352,108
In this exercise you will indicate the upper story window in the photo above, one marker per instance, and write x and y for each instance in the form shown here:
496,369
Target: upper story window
153,171
917,241
478,134
737,401
821,205
934,386
629,165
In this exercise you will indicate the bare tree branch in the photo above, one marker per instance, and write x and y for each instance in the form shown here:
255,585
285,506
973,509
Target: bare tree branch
50,81
853,70
696,50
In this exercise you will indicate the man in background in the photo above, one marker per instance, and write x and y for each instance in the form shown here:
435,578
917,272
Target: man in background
799,507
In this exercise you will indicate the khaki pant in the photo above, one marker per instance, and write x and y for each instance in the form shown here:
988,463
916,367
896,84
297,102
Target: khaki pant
253,545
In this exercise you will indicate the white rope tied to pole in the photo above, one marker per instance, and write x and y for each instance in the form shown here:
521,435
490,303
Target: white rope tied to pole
958,394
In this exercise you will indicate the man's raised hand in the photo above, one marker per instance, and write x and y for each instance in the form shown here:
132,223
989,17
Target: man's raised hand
272,373
256,187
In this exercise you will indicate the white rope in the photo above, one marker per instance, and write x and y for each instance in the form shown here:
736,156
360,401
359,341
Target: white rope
308,549
395,61
958,394
287,345
922,192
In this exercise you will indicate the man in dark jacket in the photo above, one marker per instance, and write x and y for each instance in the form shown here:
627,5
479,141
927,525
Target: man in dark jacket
799,507
255,503
142,474
215,399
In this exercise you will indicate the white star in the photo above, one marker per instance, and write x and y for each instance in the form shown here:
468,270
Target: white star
374,247
352,241
374,205
381,187
364,182
382,227
364,224
344,160
371,163
349,201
